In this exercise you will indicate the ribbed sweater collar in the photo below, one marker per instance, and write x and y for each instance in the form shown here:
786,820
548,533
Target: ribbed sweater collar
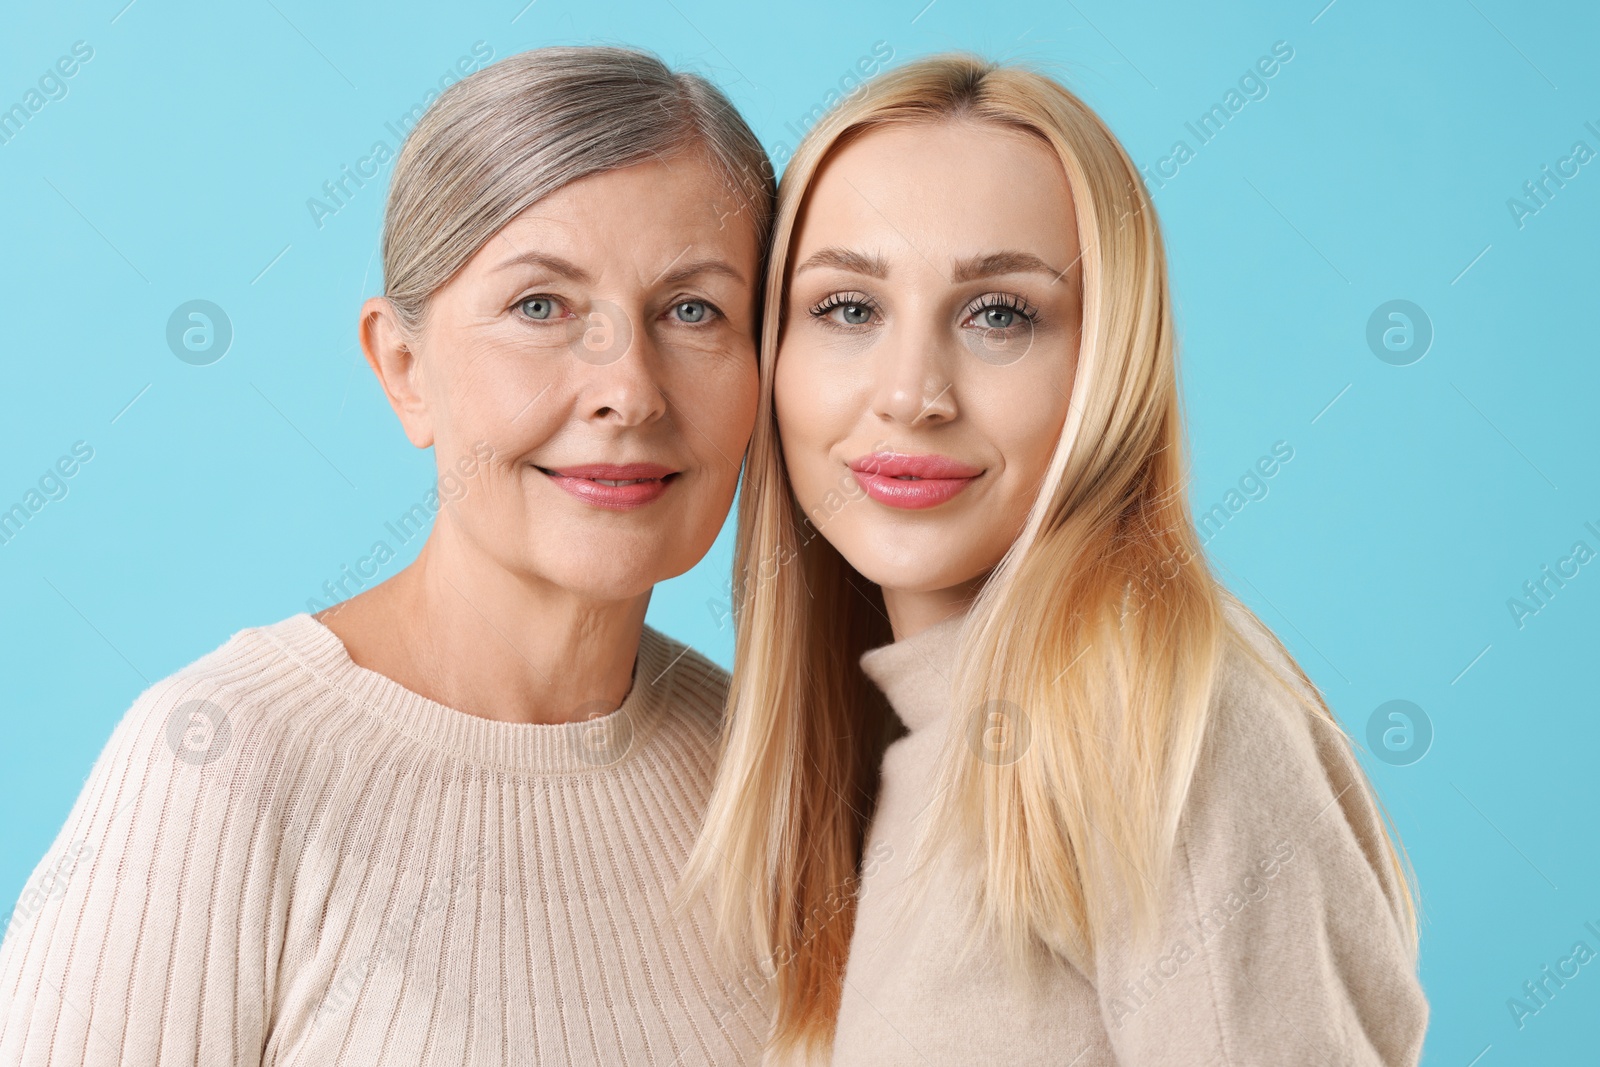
610,741
914,672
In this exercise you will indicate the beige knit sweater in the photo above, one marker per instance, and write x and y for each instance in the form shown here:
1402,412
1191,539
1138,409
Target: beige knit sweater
1281,945
282,857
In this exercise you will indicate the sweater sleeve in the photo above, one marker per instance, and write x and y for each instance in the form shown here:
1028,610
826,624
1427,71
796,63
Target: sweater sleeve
141,937
1282,940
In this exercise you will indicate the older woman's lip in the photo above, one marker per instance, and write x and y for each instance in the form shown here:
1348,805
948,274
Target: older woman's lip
617,472
614,486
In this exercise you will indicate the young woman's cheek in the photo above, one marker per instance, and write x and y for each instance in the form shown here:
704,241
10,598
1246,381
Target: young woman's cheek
825,377
1023,405
804,430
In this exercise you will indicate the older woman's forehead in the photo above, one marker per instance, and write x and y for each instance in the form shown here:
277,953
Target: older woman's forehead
665,217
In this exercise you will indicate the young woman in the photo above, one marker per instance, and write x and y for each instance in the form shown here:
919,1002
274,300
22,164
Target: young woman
1009,776
442,822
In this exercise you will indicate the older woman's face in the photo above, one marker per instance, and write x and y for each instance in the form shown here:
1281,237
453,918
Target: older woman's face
600,350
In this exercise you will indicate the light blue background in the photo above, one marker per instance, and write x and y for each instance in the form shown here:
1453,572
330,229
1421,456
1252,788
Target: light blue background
1378,167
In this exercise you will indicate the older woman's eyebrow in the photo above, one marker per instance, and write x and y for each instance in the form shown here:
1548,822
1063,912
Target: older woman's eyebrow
677,275
844,259
993,263
555,264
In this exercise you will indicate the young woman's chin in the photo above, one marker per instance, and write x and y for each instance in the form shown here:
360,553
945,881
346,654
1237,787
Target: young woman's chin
935,560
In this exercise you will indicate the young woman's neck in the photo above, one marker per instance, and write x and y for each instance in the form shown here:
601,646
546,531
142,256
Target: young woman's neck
455,627
913,610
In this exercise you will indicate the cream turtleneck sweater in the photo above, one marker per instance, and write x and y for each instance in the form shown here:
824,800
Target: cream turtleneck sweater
282,857
1281,944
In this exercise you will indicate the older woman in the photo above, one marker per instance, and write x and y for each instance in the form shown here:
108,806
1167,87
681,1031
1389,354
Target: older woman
441,822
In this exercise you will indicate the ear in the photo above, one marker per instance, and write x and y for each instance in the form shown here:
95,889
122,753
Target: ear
389,353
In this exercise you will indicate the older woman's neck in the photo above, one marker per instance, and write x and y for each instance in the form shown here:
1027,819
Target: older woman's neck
457,628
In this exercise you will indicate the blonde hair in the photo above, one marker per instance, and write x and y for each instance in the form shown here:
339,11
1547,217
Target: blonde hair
1103,619
514,132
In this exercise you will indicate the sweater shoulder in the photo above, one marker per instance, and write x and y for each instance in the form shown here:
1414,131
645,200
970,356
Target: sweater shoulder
693,687
1277,771
1285,927
196,765
1264,709
248,689
233,728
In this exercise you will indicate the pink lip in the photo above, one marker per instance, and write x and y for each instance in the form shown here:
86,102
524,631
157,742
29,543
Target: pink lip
912,482
585,481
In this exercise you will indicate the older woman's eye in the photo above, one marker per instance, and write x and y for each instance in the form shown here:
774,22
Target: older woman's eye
541,307
692,311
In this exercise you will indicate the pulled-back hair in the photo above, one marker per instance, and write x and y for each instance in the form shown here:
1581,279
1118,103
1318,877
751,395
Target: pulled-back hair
514,132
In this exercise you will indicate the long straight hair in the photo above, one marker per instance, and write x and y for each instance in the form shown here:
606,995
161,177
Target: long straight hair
1102,621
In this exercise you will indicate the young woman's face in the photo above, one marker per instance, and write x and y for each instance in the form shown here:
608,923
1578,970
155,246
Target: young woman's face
931,332
600,350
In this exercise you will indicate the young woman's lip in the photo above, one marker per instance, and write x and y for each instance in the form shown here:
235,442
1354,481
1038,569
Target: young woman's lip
912,482
643,483
907,465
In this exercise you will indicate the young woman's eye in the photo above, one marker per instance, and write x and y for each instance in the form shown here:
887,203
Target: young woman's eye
853,314
693,311
541,307
1000,311
845,309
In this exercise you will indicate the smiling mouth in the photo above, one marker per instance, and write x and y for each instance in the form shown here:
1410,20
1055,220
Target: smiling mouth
613,487
614,481
912,482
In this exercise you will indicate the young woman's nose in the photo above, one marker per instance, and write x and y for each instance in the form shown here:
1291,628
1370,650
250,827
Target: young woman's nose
914,375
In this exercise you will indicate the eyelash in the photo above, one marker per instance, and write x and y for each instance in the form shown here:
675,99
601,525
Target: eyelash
714,311
520,307
1009,301
845,299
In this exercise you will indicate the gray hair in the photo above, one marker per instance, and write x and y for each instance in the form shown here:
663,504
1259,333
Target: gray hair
516,131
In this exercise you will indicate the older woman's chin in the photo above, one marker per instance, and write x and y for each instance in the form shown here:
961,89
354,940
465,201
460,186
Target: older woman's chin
595,562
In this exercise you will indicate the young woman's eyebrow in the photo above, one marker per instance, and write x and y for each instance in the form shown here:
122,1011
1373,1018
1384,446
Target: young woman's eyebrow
969,269
873,266
993,263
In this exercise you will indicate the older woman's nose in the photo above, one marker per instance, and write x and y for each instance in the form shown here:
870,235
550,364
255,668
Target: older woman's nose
621,378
